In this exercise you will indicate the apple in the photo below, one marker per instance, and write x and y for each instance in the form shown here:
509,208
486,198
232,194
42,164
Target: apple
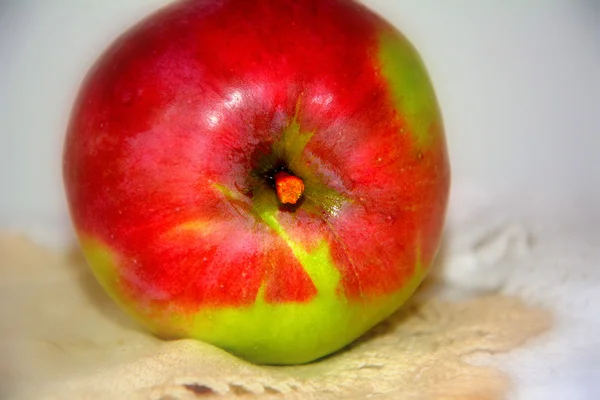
269,176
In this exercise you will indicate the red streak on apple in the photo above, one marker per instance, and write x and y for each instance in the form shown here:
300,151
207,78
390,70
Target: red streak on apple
289,187
176,117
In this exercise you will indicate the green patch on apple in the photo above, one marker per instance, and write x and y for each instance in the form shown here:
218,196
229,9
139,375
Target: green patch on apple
410,87
265,333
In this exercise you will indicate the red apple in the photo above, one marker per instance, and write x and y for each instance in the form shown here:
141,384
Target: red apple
269,176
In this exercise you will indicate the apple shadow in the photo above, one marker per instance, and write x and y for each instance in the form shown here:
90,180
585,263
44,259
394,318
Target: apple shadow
433,284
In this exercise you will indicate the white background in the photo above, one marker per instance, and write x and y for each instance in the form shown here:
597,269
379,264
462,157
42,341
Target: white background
518,86
518,83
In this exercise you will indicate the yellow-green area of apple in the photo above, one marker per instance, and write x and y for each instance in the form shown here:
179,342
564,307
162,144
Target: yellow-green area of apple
410,88
262,332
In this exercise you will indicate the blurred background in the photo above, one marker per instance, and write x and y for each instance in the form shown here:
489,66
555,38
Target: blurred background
518,83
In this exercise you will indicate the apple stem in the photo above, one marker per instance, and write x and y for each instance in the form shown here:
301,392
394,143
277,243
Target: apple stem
289,187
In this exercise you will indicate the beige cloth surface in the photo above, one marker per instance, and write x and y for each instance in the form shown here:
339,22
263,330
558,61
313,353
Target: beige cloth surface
62,338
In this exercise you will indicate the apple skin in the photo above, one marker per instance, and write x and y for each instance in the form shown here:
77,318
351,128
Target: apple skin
174,138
